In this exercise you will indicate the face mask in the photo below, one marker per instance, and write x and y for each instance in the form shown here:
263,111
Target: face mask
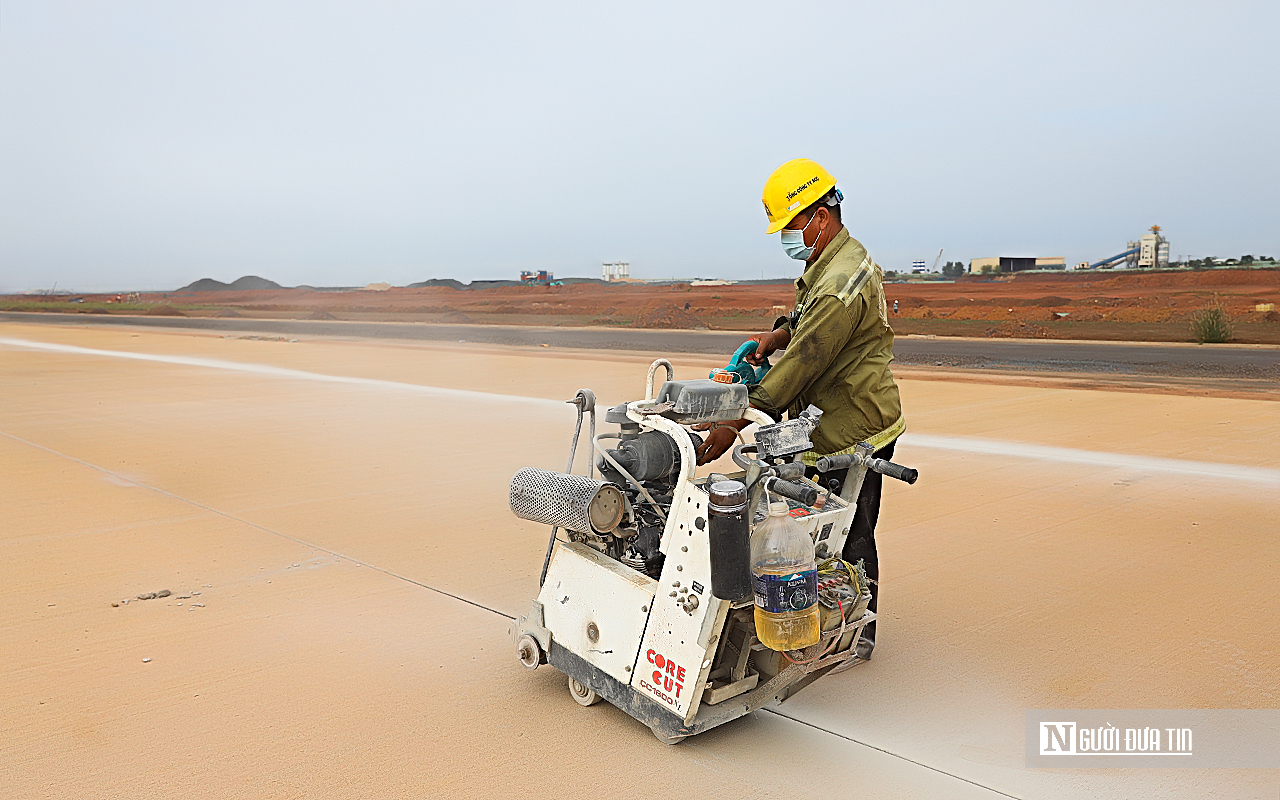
793,242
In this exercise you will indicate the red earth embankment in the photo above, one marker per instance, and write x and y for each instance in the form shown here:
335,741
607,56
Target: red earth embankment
1095,305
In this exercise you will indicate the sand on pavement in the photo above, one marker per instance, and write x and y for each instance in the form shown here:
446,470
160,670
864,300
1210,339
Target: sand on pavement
330,518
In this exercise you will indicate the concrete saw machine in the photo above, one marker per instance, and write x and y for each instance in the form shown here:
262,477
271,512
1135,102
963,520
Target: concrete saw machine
642,601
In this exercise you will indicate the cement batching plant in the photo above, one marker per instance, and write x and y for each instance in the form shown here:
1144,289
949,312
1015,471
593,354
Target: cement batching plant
1152,250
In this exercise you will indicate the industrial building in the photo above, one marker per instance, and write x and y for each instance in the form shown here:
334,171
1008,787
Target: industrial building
617,271
536,278
1016,263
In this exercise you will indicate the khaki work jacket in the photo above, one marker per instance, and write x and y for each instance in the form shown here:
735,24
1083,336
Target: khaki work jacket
838,359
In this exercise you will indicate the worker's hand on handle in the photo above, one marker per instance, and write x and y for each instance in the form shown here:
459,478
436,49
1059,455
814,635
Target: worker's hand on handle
766,345
721,438
717,444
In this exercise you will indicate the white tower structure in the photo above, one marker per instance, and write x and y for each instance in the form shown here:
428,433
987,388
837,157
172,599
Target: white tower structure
619,270
1154,250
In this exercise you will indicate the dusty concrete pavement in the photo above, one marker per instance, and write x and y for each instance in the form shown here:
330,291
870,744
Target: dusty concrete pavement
340,509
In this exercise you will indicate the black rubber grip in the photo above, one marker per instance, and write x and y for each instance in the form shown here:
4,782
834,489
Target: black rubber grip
795,491
906,474
790,471
829,463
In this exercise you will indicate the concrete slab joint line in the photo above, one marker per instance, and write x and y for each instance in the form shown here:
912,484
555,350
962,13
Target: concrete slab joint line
797,720
253,525
955,443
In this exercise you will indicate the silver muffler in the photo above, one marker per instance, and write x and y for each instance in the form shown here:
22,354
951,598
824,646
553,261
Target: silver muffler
573,502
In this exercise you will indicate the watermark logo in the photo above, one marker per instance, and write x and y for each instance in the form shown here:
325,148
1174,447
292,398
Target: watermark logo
1070,738
1057,738
1127,738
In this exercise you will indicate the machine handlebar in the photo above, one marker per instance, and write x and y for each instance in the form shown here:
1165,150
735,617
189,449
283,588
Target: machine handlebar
905,474
807,495
829,463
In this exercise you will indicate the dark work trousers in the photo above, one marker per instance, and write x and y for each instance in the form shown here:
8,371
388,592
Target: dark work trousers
861,542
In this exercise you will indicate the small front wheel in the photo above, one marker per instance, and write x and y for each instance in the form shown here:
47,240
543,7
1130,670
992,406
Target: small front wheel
528,651
582,694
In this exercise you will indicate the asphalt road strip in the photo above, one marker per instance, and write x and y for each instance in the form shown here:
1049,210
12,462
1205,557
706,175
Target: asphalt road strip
976,446
1149,359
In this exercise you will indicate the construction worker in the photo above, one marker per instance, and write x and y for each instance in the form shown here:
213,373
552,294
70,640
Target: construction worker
838,347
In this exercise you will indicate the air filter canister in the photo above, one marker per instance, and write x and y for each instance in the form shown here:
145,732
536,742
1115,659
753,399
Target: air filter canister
574,502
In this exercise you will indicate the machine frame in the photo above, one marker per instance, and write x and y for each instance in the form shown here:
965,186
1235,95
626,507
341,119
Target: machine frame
666,651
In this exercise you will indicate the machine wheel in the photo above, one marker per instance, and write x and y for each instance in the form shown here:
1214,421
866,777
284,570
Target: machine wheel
528,651
666,738
582,695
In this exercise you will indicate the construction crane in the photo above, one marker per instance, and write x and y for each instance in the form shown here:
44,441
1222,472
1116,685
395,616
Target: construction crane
936,260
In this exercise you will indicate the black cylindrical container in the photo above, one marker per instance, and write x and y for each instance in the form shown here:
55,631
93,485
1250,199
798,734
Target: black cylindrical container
729,533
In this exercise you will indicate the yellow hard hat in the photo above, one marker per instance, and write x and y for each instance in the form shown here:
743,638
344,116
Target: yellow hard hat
792,188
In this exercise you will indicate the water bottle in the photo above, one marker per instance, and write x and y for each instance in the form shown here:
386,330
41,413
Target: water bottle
784,574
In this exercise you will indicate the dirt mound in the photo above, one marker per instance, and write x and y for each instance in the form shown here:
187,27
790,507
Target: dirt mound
456,316
1209,277
970,312
1051,301
1083,315
671,317
163,311
1019,330
227,312
1142,315
609,316
320,313
448,283
248,282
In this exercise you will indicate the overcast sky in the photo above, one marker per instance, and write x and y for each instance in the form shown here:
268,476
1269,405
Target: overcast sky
148,144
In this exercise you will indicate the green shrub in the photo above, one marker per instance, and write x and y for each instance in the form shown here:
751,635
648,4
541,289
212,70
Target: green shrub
1211,326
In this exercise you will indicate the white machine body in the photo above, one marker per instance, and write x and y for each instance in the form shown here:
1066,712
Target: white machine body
622,634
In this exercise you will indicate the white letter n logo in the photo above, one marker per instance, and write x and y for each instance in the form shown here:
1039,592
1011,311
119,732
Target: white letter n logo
1057,738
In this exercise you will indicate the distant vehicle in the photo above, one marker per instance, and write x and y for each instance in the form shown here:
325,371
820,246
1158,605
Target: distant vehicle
75,299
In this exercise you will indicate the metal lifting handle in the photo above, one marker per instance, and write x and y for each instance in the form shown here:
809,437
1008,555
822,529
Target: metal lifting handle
648,381
585,402
787,471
